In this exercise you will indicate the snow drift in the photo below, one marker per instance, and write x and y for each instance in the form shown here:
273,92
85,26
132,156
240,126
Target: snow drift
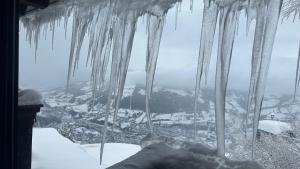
50,150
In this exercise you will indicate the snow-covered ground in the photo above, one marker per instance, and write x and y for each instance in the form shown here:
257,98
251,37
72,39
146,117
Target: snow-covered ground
274,127
50,150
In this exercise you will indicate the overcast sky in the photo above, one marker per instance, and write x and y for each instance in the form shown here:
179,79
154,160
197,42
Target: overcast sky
177,58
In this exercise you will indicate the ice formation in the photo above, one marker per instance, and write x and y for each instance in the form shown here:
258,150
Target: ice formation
210,14
154,29
110,27
266,13
227,30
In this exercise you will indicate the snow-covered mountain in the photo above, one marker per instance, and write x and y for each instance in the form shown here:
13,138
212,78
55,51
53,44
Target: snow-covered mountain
79,118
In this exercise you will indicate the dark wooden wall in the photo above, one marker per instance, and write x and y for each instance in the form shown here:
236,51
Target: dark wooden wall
8,80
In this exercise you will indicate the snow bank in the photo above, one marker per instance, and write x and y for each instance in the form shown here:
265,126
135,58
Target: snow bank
274,127
50,150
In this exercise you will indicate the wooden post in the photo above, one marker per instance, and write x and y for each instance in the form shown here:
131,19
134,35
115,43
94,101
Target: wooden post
26,118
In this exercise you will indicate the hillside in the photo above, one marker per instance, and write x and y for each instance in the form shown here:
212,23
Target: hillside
78,118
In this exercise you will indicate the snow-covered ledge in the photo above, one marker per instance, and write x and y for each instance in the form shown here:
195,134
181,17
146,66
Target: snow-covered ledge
29,97
50,150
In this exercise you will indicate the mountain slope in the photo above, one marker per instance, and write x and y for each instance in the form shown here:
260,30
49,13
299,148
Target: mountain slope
81,119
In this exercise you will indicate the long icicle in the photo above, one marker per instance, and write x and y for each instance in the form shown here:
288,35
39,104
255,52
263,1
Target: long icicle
125,27
155,29
297,82
112,82
209,21
73,46
268,12
227,31
126,53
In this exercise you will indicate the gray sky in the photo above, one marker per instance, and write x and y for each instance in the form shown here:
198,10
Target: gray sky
177,58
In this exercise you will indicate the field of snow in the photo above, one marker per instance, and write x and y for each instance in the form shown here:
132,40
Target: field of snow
50,150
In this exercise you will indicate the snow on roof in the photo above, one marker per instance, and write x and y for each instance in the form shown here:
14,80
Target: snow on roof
50,150
274,127
29,97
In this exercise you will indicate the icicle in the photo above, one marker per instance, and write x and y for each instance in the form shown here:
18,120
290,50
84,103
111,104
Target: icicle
36,39
45,31
297,82
125,58
180,6
250,14
80,27
268,12
147,30
81,34
53,30
176,15
112,83
191,5
227,30
66,19
156,24
210,14
73,43
123,40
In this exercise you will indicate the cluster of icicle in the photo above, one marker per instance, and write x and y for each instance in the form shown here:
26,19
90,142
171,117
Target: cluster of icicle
111,24
226,13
